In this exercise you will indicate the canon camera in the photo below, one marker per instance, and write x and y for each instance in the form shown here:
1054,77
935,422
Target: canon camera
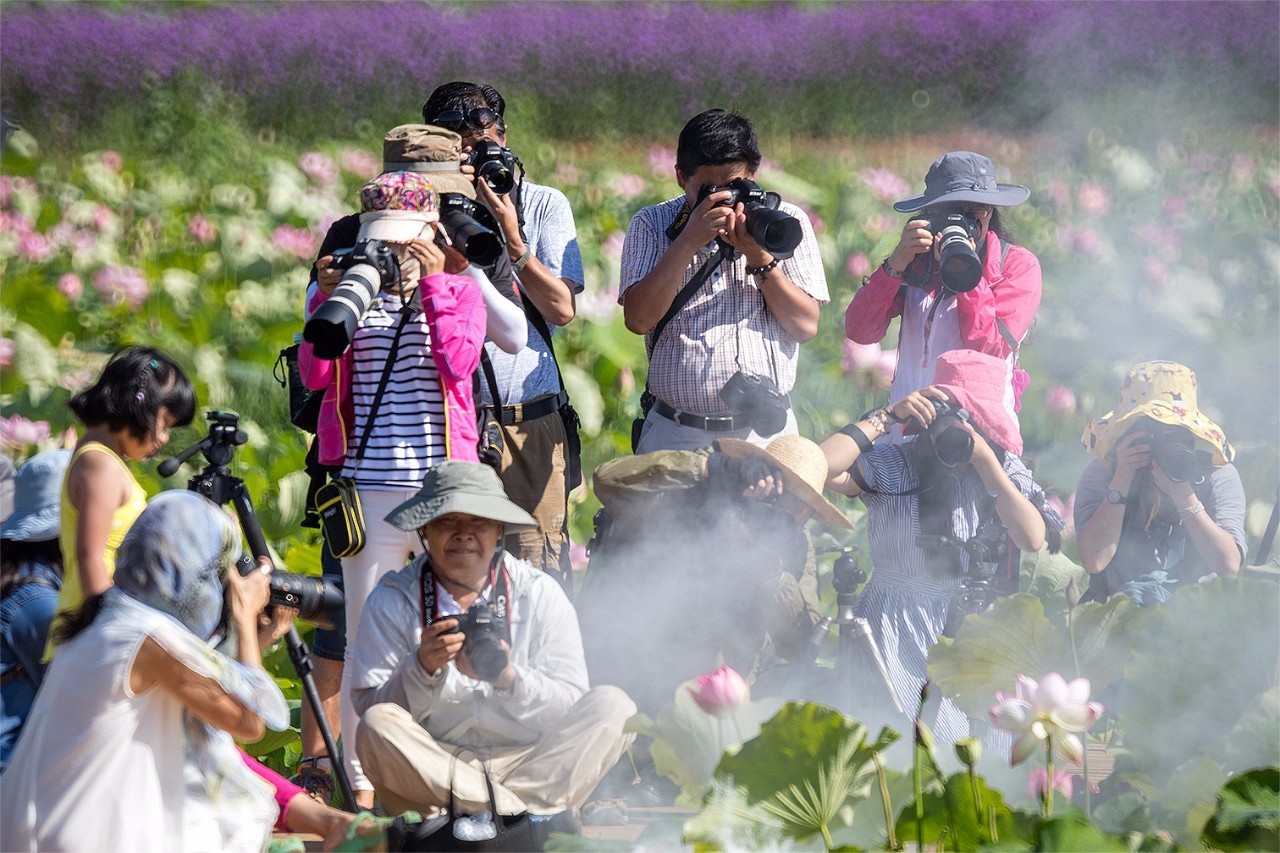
961,269
368,267
778,233
482,641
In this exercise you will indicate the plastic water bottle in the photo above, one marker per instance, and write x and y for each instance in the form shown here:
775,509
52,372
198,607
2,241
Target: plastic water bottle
476,827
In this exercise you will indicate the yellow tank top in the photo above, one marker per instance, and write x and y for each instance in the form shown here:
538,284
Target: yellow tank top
72,594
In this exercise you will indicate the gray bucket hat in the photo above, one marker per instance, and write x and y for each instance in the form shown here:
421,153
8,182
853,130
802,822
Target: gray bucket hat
457,486
963,176
37,498
431,150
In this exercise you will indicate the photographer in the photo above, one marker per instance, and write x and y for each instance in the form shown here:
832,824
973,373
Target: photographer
542,245
469,646
940,507
1161,504
955,278
723,316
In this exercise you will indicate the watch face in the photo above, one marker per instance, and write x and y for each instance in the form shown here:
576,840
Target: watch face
1115,497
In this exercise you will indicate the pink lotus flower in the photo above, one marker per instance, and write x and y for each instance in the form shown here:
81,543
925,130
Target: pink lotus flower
578,556
722,692
1059,401
360,163
17,431
884,184
628,186
299,242
319,167
202,230
111,160
885,367
1051,710
1039,780
121,285
1093,199
70,285
6,352
859,356
857,266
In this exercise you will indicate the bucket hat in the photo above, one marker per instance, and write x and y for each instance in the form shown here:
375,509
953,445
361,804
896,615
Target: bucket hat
977,382
396,207
963,176
37,498
431,151
1164,391
459,486
803,466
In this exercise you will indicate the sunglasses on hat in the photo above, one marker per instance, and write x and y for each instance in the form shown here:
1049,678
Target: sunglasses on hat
478,120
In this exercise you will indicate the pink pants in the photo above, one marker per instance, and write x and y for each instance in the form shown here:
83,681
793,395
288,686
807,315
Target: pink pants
285,790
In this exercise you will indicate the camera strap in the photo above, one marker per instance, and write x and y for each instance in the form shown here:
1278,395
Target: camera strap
723,250
499,582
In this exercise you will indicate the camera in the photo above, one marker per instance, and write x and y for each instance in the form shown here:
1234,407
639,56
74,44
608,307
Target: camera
951,446
482,642
961,269
1179,461
495,165
760,399
775,231
979,586
471,228
316,599
368,267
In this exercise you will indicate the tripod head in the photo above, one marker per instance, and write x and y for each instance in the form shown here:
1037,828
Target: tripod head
219,448
847,575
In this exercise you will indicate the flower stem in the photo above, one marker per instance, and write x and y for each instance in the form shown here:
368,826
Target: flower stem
883,779
917,781
977,798
1048,772
1075,660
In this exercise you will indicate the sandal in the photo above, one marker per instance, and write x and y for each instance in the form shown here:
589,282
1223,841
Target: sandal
315,779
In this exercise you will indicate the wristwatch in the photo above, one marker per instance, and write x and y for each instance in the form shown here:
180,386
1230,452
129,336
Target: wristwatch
1114,497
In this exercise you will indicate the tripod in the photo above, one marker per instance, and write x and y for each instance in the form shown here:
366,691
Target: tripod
858,658
217,484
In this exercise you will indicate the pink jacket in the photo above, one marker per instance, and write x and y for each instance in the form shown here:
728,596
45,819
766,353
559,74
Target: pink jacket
455,318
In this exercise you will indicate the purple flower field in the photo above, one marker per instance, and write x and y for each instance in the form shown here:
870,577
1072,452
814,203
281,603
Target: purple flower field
587,69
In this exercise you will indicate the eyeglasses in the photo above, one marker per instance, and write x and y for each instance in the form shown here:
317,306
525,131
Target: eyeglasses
477,120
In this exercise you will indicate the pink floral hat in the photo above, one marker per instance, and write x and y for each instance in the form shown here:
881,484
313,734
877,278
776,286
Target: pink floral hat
977,381
397,206
1163,391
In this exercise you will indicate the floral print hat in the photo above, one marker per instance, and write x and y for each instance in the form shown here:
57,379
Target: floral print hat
396,207
1164,391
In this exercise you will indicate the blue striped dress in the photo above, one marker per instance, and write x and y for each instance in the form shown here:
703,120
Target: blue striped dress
904,602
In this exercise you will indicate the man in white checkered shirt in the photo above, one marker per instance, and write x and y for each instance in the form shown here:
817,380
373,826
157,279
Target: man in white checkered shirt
749,316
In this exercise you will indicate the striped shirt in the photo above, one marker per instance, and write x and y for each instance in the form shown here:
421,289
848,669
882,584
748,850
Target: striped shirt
408,434
726,326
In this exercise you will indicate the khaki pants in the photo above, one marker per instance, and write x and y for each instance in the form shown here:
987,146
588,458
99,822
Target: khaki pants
412,770
533,476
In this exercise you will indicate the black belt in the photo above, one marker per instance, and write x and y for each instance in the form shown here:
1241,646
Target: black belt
534,409
709,423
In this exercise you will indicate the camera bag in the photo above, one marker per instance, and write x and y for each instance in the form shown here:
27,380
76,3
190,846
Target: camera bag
490,444
304,404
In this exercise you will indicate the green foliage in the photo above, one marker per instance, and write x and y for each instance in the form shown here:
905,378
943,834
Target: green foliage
954,821
1248,813
1073,831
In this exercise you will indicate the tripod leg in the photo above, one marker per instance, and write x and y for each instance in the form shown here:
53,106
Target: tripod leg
302,664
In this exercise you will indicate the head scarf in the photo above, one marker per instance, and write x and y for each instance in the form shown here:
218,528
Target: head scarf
175,556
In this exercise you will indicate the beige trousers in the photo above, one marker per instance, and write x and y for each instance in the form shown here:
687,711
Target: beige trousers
412,770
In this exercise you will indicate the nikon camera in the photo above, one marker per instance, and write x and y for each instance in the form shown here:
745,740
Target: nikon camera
776,232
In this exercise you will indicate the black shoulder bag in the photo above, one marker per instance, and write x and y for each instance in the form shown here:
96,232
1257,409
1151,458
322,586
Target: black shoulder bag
572,440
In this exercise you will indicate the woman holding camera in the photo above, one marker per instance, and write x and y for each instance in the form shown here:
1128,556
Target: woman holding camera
955,278
1161,504
940,507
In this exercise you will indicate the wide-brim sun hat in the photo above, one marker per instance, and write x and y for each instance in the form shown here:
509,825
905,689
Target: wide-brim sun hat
464,487
37,498
963,176
803,467
431,151
977,382
1163,391
396,207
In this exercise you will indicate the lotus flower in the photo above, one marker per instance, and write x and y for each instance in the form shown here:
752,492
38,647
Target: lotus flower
722,692
1052,710
1038,783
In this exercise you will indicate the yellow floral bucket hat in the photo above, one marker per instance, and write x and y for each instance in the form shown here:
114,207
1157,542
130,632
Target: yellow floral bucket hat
1164,391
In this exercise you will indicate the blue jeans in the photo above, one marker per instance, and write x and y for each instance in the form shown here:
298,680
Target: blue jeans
331,643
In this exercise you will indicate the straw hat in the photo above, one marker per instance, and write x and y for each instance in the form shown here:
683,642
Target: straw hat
803,466
1164,391
465,487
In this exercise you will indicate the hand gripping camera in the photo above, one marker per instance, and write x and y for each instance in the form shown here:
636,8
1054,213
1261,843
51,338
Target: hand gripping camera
945,441
495,165
369,266
482,643
775,231
1177,458
961,269
471,227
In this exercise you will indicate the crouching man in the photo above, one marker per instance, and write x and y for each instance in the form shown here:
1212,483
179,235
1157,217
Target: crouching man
468,651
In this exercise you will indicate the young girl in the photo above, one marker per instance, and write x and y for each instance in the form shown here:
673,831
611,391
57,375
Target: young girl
128,412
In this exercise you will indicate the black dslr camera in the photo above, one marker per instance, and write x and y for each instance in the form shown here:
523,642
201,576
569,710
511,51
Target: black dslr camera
471,228
961,269
368,267
482,643
316,598
1178,459
775,231
980,585
495,165
950,445
760,399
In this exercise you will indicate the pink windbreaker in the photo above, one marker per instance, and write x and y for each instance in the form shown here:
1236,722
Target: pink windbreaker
455,317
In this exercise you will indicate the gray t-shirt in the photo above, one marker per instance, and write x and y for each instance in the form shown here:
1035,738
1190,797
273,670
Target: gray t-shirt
1153,538
548,222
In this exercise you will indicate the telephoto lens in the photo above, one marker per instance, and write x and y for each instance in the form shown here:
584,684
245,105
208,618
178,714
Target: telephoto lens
367,269
316,599
459,216
961,269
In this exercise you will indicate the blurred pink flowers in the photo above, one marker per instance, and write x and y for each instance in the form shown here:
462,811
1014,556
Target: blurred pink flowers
1051,710
70,285
17,431
722,692
360,163
6,352
578,557
885,185
121,285
111,160
299,242
662,161
628,186
319,167
1093,199
202,230
1060,401
859,356
857,266
885,367
1039,780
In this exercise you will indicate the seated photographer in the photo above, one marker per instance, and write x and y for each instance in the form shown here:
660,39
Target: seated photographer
469,654
955,278
542,244
705,555
153,706
948,511
723,316
1161,504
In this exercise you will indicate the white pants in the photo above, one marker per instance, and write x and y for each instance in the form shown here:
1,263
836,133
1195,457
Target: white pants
412,770
386,549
